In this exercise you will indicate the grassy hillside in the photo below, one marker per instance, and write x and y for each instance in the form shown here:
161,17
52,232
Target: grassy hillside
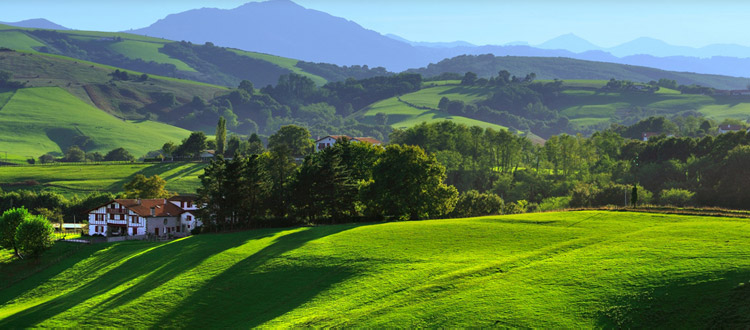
567,68
552,270
421,106
38,120
70,180
586,106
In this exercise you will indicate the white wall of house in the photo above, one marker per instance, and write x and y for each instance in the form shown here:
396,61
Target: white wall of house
324,143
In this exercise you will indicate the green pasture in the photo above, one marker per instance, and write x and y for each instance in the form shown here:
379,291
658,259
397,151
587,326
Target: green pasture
79,179
402,115
588,269
18,40
47,119
148,51
284,62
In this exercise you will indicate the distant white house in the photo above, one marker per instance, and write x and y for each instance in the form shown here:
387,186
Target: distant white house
646,135
136,217
332,139
730,128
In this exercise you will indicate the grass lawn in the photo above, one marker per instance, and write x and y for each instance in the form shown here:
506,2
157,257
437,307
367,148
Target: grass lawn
39,120
70,180
550,270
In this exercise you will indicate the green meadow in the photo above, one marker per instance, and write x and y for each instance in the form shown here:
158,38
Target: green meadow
284,62
81,180
148,51
403,115
35,121
550,270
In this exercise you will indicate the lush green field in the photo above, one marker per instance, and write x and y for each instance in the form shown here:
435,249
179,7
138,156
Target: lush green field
47,119
402,115
148,51
70,180
284,62
552,270
18,40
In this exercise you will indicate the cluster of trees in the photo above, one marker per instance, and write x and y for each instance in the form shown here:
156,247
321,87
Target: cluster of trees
52,205
614,85
26,234
599,170
7,82
125,76
339,184
75,154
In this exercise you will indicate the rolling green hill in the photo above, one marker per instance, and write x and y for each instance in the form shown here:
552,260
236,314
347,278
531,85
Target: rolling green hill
35,121
550,270
81,180
571,69
582,101
422,106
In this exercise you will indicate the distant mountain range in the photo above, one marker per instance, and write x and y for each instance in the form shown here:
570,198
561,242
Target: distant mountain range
36,23
281,27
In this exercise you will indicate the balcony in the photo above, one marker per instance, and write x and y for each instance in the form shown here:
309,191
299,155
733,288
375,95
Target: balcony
117,211
117,222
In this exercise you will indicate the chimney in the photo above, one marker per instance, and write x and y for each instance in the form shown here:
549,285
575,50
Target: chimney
138,201
153,211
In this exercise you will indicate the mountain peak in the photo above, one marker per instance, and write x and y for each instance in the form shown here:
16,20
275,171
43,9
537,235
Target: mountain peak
569,42
36,23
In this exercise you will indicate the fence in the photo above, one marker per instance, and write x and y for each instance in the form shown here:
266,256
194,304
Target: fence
126,238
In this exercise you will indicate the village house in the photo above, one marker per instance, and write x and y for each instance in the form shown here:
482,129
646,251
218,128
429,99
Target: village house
730,128
139,217
646,135
330,140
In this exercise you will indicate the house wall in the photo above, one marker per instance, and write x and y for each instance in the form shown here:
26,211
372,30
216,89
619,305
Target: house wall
324,143
101,219
159,222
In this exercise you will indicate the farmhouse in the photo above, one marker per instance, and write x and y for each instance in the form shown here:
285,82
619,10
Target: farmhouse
729,128
137,217
330,140
646,135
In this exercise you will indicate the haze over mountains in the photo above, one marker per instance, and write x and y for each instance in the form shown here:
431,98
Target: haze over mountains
36,23
261,27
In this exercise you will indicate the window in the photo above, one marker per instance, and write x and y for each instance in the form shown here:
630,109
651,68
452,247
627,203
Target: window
111,216
189,218
122,217
189,204
113,205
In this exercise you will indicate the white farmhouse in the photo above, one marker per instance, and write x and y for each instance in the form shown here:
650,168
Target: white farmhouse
332,139
136,217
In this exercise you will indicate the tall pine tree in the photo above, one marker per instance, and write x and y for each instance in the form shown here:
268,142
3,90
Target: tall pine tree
221,136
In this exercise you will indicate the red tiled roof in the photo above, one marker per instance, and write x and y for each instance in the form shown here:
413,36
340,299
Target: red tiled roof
142,207
368,140
730,127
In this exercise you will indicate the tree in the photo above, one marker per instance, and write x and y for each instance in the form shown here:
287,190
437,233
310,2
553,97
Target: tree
280,166
255,145
169,149
469,79
143,187
47,158
381,118
119,155
295,138
247,86
193,145
75,154
634,196
221,136
324,187
34,236
9,222
408,184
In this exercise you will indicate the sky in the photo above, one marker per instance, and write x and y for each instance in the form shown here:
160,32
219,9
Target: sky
605,23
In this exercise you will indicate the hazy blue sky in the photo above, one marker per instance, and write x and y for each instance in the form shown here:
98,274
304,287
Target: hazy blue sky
603,22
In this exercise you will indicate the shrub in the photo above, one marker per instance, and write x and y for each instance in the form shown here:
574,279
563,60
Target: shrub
9,222
555,203
473,204
34,235
516,208
676,197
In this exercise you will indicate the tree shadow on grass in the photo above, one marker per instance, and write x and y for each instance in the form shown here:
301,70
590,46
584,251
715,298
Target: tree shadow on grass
177,257
699,302
248,295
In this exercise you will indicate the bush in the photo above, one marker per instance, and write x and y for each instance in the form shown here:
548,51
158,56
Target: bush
516,208
473,204
555,203
9,222
196,230
34,235
676,197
